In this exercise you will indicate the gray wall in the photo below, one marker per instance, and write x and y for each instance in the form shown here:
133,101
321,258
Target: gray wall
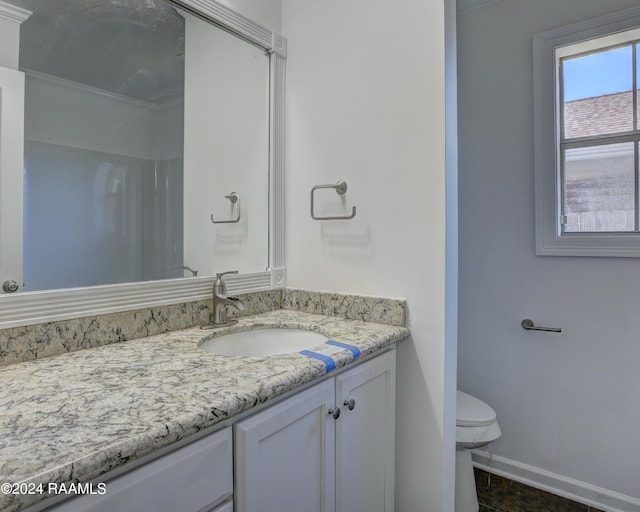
567,403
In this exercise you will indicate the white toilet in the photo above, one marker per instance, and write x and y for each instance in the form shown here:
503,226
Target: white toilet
476,426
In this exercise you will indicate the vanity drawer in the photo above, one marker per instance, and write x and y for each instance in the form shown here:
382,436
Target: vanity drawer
190,479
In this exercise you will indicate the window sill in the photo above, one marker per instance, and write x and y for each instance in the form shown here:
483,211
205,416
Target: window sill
608,245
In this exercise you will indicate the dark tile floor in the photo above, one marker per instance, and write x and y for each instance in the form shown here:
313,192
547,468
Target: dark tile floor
505,495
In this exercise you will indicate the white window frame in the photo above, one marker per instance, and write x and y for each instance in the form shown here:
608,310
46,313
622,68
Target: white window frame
549,238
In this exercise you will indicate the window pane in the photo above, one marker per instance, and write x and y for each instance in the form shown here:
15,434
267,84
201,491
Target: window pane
597,92
599,188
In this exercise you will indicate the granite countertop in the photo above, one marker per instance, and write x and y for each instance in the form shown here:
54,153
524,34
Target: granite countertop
76,416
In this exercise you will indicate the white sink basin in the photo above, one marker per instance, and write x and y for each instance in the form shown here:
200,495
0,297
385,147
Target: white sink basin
263,342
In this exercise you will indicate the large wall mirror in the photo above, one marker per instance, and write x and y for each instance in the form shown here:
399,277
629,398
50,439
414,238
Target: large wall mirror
138,150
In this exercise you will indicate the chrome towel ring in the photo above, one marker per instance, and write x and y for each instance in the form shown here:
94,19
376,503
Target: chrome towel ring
234,197
340,188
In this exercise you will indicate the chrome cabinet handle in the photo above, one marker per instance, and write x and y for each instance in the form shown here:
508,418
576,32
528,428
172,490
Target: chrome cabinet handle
334,412
10,286
350,404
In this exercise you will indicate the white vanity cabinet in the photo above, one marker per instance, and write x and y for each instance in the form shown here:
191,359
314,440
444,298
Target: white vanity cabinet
196,477
303,455
284,455
365,436
329,448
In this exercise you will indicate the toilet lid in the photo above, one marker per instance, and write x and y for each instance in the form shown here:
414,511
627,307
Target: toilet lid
471,412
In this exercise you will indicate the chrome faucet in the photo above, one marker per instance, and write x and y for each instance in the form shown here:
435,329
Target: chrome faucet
221,301
194,273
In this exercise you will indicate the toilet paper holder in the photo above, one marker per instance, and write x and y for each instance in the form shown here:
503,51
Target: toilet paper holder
528,325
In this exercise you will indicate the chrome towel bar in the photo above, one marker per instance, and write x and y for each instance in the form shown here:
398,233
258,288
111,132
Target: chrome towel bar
528,325
234,197
340,188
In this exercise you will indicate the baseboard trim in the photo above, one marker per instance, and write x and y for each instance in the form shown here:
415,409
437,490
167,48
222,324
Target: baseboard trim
582,492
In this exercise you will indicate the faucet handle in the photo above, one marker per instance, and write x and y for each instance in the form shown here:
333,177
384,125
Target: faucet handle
219,287
220,274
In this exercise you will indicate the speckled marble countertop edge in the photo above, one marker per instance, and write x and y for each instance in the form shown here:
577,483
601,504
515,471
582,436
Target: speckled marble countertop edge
142,395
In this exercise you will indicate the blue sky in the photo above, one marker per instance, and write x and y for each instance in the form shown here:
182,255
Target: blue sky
598,74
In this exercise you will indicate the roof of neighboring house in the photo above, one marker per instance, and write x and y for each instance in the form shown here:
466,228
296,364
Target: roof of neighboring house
598,115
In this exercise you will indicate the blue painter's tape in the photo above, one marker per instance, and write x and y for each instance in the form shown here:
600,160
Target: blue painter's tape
328,362
354,350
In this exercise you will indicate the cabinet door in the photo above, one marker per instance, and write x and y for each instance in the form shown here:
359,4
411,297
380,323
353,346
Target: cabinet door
365,437
284,455
11,174
190,479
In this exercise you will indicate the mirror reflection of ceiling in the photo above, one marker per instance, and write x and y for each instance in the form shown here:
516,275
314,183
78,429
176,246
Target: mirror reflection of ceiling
134,48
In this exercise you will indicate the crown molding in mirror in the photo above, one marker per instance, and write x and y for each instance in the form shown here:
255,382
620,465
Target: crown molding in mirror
468,5
30,308
13,13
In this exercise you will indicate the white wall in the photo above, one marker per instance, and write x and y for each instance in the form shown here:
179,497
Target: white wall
226,149
9,43
366,103
567,403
